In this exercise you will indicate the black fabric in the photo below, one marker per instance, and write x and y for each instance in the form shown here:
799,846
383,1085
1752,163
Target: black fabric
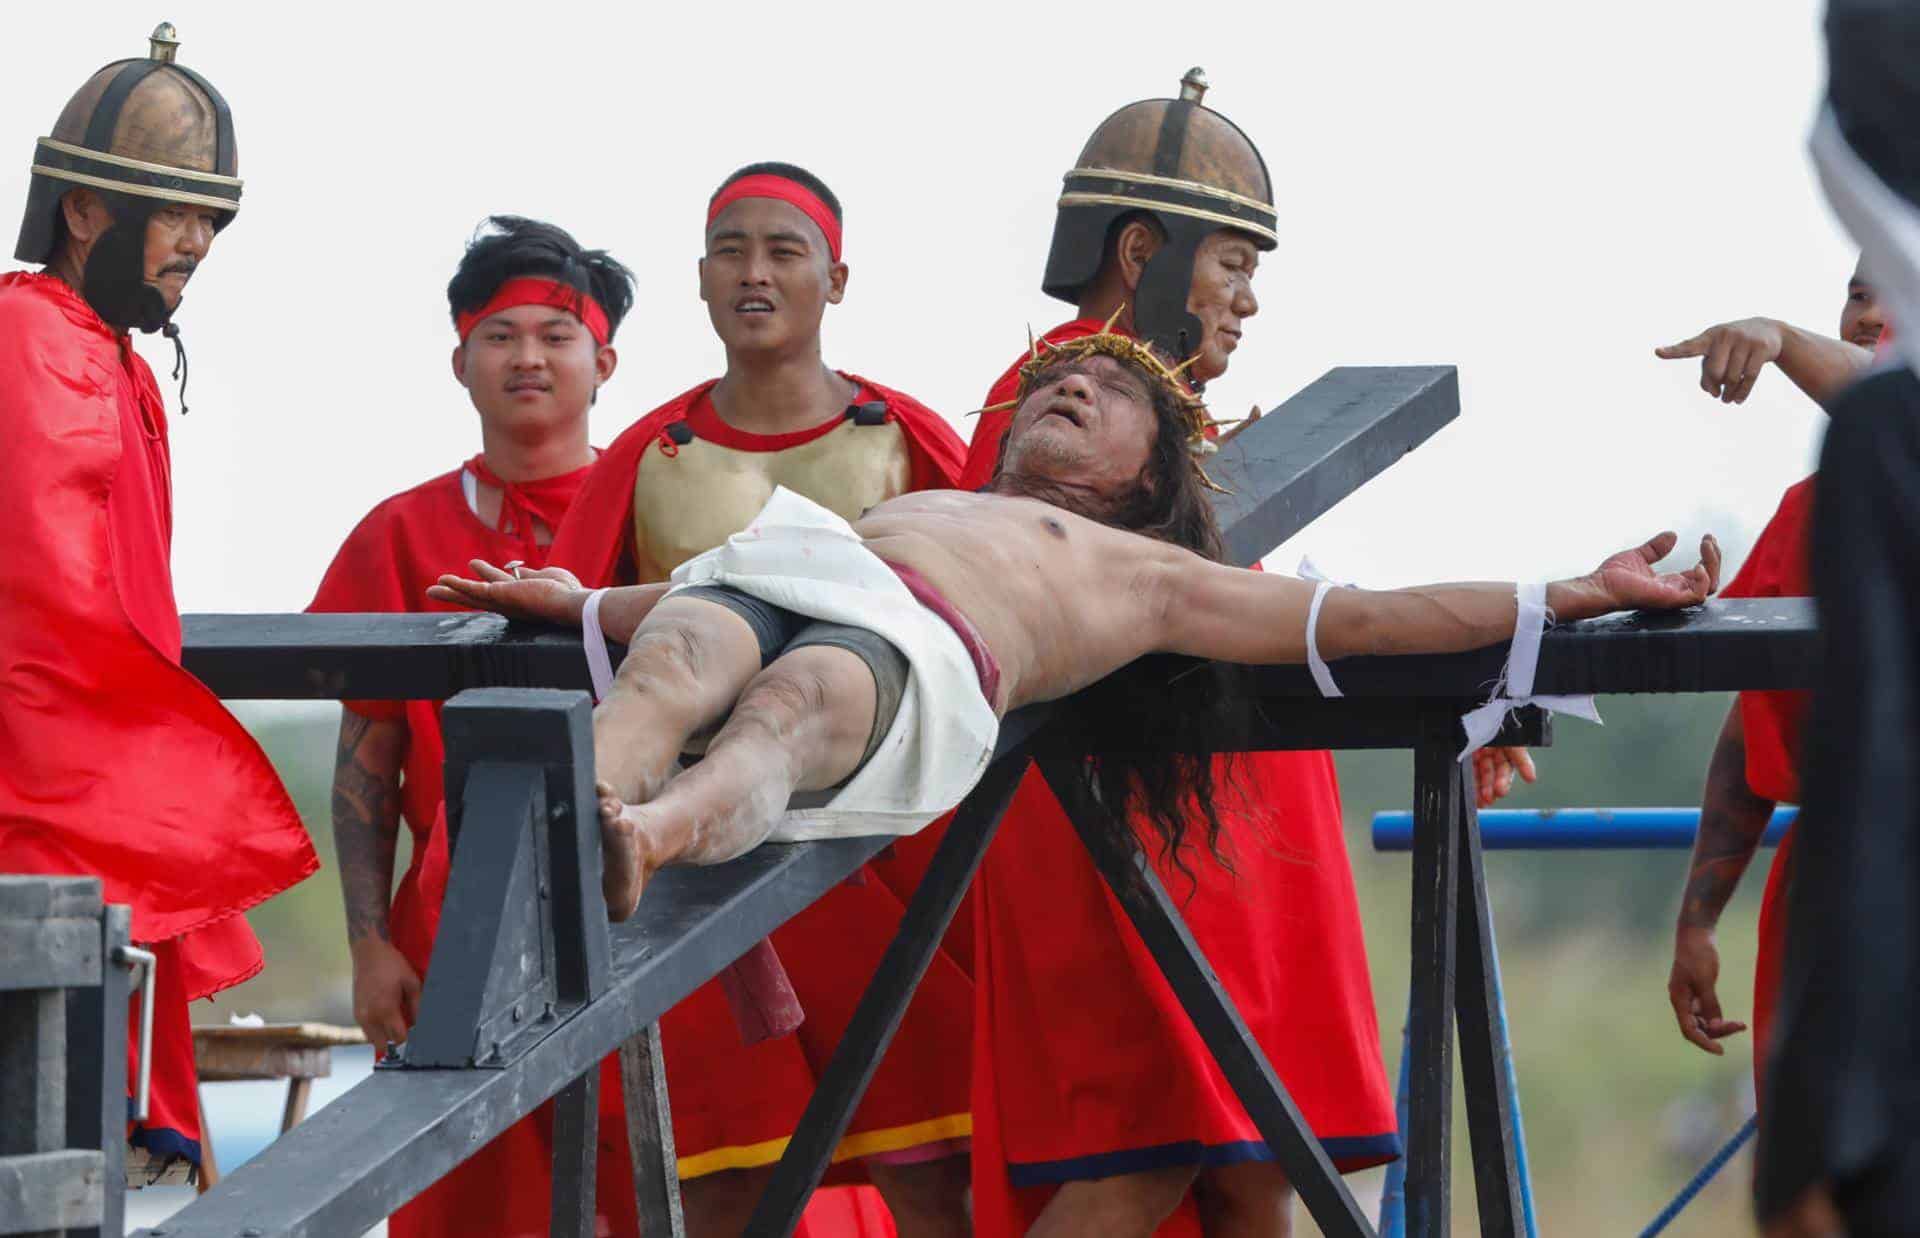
779,630
1873,53
773,626
1843,1085
114,279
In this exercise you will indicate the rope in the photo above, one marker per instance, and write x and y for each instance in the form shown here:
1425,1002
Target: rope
1701,1179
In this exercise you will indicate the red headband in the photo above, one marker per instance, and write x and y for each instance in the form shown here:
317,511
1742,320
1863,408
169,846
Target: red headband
535,290
781,189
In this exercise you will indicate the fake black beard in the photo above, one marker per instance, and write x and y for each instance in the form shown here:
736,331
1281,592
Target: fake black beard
114,283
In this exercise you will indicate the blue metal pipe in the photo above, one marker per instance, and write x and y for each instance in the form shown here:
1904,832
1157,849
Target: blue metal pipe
1530,1225
1574,829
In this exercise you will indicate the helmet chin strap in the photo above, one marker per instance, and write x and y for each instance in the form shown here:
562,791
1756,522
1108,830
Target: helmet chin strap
114,281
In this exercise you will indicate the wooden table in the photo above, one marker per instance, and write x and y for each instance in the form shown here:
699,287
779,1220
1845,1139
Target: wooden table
296,1052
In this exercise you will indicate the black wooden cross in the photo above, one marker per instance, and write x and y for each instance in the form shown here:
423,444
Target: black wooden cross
519,1010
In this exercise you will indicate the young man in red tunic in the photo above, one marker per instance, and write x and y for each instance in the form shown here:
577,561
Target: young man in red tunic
535,316
1081,1127
118,764
677,483
1756,762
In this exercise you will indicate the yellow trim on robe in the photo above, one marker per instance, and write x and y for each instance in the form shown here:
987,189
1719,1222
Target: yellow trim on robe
866,1143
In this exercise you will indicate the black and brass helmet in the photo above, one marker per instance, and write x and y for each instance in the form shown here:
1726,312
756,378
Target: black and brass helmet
141,133
1189,167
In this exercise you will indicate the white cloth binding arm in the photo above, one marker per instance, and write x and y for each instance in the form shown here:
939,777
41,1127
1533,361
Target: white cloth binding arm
599,666
1516,686
1317,665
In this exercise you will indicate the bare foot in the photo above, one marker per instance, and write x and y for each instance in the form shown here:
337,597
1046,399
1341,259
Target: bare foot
623,866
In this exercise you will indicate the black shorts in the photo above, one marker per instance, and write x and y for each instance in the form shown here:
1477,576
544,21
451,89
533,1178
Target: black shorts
780,630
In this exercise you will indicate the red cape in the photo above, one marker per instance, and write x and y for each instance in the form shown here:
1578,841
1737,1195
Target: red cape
1085,1064
118,764
1777,567
1772,721
595,541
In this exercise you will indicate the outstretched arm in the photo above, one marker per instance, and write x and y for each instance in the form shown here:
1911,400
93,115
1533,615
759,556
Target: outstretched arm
548,595
1733,354
1232,615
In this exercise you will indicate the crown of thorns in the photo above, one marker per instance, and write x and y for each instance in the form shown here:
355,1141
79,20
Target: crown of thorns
1198,424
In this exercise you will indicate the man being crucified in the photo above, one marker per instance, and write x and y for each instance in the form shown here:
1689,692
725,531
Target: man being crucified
851,676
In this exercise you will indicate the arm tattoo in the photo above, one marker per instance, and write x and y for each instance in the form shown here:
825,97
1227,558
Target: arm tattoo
366,819
1732,821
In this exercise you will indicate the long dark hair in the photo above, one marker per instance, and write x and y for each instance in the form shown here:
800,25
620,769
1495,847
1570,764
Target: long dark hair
1154,727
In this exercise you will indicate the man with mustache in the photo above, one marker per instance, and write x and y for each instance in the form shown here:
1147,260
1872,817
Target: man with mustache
534,314
1160,230
118,764
1755,764
676,484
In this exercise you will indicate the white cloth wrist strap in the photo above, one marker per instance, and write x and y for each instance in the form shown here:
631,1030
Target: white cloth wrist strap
599,666
1516,683
1322,677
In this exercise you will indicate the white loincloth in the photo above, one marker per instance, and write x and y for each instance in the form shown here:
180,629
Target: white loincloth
798,555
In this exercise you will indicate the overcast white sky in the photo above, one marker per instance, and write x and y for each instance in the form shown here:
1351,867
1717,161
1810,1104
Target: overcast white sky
1538,194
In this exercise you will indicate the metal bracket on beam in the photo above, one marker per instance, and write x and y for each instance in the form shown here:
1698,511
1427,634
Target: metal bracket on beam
523,939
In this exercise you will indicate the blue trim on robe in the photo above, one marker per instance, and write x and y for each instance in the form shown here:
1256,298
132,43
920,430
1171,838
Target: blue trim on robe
1358,1151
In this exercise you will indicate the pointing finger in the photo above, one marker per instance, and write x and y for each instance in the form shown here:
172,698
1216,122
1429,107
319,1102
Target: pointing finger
1694,347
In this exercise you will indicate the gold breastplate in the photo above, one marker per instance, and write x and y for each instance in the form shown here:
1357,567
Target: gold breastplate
687,503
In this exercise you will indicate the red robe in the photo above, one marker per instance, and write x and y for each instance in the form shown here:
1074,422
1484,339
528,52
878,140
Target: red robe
734,1105
403,545
1085,1065
1777,567
114,762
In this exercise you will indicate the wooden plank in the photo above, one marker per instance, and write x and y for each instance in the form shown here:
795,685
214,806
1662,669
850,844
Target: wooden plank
97,1073
1379,722
1725,646
1321,445
233,1063
50,953
50,1192
576,1155
40,898
1483,1039
33,1070
656,1165
1437,775
288,1035
376,657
